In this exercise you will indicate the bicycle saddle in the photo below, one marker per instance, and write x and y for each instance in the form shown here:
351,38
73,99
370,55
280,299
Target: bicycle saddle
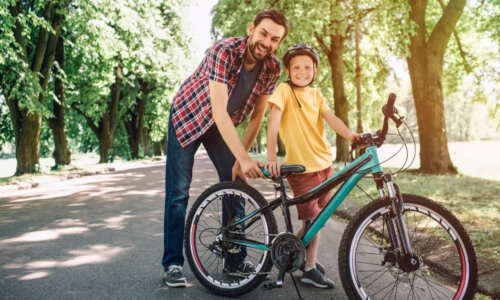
287,170
292,169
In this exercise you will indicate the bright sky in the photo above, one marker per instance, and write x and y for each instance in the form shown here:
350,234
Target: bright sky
201,22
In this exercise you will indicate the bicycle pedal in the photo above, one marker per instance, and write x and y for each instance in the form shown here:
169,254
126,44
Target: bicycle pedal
269,285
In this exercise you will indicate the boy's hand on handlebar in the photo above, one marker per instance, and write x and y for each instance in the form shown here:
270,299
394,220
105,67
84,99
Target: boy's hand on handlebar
273,168
354,137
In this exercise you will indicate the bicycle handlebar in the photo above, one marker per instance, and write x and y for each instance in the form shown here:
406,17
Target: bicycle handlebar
367,139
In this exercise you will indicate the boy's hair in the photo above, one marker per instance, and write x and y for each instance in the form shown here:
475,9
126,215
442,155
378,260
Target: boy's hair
275,15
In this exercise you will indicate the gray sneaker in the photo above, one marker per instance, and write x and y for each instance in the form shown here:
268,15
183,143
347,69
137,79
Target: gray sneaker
319,266
317,279
174,276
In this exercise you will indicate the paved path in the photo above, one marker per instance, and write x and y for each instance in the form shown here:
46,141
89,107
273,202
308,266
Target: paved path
100,237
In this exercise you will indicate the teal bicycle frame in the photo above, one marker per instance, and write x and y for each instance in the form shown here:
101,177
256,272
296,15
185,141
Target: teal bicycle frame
372,166
349,176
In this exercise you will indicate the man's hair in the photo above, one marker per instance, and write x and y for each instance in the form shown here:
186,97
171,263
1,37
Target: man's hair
275,15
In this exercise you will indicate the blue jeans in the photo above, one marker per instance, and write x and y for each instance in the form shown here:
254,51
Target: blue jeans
178,178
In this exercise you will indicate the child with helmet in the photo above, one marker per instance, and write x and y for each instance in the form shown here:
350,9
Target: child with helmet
297,113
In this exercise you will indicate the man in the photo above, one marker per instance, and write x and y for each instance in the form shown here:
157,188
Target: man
236,76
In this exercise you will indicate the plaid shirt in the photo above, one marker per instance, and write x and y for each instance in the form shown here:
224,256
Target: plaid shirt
191,108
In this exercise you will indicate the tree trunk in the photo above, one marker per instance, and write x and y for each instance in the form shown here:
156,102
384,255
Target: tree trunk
105,142
107,126
157,148
135,124
105,130
134,136
27,144
164,145
62,155
146,142
341,106
359,127
425,65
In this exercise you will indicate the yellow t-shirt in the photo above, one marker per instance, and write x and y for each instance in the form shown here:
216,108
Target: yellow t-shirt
302,129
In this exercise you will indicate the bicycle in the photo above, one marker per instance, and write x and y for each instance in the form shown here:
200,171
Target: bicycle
399,245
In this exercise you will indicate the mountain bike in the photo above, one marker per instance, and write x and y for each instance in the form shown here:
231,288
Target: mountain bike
399,246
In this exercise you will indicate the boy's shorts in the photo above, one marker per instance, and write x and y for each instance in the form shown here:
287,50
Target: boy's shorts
303,183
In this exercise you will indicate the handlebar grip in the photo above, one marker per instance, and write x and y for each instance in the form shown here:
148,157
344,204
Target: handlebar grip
390,101
388,109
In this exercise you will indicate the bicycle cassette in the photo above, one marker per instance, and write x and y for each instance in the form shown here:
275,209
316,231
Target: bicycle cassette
285,244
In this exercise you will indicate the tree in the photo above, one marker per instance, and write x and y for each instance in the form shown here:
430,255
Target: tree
29,33
62,155
425,64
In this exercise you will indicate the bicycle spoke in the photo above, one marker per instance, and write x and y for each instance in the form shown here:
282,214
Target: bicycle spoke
429,233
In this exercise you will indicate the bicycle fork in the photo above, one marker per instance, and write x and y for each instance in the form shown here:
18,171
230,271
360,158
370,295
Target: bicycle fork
397,231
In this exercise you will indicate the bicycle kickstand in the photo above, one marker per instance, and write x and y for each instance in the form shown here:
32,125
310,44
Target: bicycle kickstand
268,285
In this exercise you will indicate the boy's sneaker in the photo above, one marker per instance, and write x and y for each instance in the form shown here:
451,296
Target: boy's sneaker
174,277
319,266
242,270
317,279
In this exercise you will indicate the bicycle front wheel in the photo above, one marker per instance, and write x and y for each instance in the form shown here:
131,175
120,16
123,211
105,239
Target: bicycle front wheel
445,260
209,255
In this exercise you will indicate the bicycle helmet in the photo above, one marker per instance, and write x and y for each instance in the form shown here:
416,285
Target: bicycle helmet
300,49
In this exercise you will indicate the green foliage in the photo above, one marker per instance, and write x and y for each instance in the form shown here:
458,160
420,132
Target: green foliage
148,38
6,131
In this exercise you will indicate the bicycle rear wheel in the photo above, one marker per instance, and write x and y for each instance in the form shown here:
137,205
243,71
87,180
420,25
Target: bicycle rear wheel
446,261
207,253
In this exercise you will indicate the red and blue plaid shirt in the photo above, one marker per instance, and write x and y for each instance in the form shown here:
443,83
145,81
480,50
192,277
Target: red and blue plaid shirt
191,108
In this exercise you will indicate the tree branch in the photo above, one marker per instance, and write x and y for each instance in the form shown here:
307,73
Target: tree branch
322,44
42,41
442,31
89,121
462,52
115,97
18,32
50,52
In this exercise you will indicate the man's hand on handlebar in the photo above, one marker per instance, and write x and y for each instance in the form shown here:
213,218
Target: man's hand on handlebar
251,169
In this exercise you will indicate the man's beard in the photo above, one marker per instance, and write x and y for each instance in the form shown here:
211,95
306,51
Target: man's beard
252,48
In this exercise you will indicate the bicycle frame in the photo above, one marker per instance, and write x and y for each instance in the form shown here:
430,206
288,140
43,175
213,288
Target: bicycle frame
349,176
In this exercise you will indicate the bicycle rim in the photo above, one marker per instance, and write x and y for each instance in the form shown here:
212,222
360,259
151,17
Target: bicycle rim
444,264
204,230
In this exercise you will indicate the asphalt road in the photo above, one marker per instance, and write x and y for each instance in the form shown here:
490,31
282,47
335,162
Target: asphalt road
101,237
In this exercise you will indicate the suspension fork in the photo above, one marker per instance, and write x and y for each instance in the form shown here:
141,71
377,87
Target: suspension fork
397,230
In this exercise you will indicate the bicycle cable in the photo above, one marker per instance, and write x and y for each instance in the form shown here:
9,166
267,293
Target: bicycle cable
403,168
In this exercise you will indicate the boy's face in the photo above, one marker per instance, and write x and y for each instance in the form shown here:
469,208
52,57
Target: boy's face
264,38
301,70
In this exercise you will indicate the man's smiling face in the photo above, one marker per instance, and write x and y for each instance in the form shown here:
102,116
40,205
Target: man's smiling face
264,38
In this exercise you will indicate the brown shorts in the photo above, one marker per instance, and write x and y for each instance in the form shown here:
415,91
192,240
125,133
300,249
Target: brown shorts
303,183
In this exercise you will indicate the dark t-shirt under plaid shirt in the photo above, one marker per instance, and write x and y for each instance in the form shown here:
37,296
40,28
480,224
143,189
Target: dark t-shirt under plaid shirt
191,108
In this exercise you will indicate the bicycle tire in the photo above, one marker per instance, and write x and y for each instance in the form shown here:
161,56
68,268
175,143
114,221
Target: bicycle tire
201,228
448,264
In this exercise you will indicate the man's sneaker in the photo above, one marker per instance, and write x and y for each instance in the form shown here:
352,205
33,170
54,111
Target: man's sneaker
317,279
319,266
174,277
242,270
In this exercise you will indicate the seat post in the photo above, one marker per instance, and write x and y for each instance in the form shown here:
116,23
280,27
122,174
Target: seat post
283,196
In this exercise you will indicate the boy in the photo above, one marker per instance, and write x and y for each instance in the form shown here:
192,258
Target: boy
297,111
